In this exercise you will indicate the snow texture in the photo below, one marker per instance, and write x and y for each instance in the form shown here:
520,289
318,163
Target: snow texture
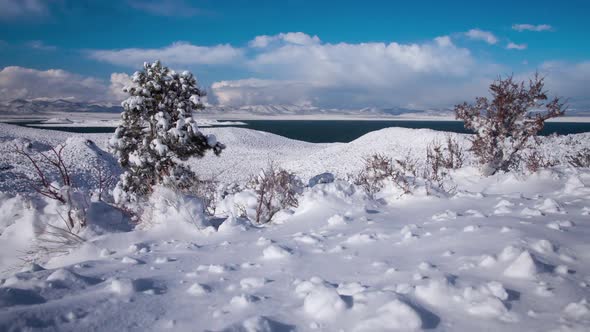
339,261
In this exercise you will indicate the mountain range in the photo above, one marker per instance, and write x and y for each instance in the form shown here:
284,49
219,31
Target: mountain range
40,106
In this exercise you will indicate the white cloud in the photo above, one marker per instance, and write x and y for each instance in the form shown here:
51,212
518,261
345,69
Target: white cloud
477,34
27,83
39,45
431,74
513,46
172,8
366,61
255,91
298,38
568,80
179,53
118,82
13,9
531,27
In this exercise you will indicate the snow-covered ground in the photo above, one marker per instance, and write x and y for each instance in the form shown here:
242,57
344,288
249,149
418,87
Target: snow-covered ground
508,252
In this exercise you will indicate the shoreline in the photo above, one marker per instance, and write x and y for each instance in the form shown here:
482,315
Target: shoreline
98,117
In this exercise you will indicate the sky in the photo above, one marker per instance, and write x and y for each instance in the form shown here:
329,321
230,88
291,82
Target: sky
330,54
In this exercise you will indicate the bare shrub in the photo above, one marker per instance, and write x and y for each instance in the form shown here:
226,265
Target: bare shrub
408,165
62,189
509,122
275,189
441,157
378,169
207,191
580,159
439,160
534,161
53,239
104,181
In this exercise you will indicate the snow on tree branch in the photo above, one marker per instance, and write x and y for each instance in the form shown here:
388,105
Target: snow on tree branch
158,130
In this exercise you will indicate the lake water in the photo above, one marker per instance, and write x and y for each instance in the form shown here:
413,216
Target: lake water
324,131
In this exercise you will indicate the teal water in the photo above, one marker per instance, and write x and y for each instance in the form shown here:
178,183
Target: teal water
345,130
326,131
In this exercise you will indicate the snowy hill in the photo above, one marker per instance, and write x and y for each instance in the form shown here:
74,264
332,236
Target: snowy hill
507,252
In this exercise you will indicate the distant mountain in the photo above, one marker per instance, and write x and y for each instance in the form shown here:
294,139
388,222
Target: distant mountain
32,107
22,106
298,110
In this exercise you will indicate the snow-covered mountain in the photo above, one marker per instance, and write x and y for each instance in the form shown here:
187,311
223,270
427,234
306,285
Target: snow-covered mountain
37,106
299,110
22,106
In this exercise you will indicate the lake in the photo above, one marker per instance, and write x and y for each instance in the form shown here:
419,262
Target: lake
325,131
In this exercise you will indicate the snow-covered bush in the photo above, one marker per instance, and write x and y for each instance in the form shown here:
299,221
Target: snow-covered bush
157,131
167,204
509,122
275,189
377,171
534,160
580,159
209,191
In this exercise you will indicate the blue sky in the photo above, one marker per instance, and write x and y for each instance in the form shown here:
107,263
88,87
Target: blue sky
416,54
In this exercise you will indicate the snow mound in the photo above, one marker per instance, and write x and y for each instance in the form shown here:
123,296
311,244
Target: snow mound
259,324
523,267
197,289
394,315
171,207
122,286
321,300
275,252
485,300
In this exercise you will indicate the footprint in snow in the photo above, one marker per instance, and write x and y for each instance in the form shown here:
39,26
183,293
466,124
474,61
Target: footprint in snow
15,296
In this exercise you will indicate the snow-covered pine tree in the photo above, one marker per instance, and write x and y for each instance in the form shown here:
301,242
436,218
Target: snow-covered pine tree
157,131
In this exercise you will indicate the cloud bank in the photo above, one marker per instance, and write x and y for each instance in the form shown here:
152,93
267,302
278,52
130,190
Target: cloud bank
26,83
300,69
179,53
